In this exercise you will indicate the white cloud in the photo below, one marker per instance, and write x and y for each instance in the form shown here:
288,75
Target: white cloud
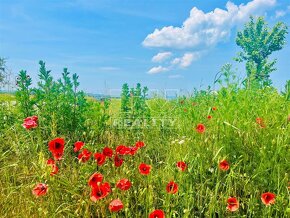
162,56
280,13
186,59
159,69
204,30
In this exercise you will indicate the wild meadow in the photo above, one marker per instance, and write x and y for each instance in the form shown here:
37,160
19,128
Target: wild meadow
233,143
212,153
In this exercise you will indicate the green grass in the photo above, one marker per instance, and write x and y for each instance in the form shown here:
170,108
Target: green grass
259,162
7,97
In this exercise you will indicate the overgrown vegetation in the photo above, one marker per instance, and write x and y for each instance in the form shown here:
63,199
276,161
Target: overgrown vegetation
133,104
61,105
231,133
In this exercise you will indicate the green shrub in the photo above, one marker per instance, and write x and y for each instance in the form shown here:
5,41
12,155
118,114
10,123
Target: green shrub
59,104
133,103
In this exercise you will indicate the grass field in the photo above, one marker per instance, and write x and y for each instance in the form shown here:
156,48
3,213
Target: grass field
258,153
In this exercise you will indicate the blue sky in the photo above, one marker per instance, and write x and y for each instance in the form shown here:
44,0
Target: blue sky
173,44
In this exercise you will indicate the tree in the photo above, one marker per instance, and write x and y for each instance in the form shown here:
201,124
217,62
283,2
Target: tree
258,42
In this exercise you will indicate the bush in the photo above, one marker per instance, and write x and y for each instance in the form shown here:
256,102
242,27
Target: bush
59,104
133,103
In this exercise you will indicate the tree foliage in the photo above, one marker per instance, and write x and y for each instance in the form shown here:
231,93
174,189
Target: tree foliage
258,42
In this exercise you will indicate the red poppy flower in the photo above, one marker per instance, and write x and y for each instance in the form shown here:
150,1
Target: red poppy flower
50,161
185,110
35,118
181,165
30,122
144,169
108,152
157,214
214,108
95,179
123,184
209,117
122,150
200,128
233,204
116,205
268,198
224,165
84,156
54,169
133,150
40,189
100,192
106,186
100,158
172,187
78,146
140,144
118,161
260,122
56,147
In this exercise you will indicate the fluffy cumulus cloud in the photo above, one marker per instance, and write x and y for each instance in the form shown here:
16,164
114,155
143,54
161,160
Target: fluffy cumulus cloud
159,69
186,59
162,56
200,32
204,30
